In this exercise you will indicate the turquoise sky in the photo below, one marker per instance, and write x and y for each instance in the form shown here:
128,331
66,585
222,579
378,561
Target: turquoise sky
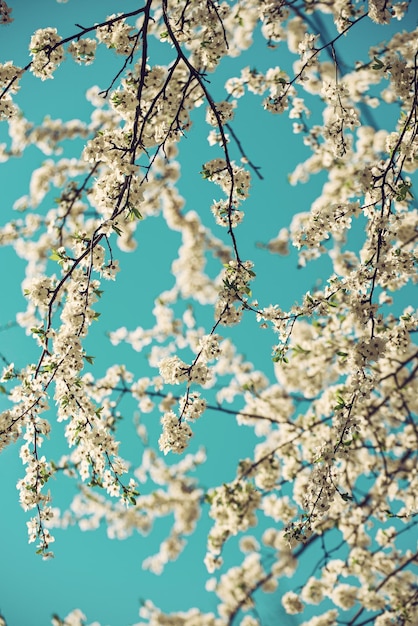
102,577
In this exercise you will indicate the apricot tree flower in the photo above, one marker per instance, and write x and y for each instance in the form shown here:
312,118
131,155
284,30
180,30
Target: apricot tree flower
316,378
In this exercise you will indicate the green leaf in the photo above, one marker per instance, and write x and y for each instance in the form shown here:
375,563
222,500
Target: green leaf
134,213
38,331
89,359
378,64
49,368
403,192
340,403
297,349
55,256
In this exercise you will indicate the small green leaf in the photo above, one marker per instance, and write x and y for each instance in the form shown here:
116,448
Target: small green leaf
38,331
49,368
340,403
55,256
137,214
378,64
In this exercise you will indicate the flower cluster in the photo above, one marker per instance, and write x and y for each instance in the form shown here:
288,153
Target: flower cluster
338,117
221,113
192,406
175,436
235,289
173,370
47,52
5,12
200,30
233,507
83,51
117,35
